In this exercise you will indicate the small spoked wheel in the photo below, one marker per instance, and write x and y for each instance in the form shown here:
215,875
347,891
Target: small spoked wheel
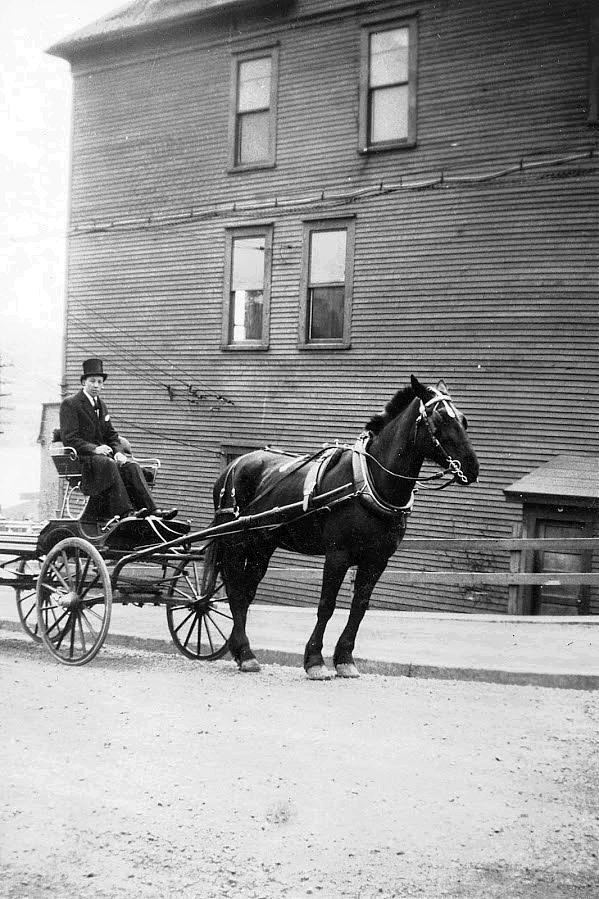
25,596
74,601
200,624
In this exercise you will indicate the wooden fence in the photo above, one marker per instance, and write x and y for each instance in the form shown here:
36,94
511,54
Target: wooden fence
520,551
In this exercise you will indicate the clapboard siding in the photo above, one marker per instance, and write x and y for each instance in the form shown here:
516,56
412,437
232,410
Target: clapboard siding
492,286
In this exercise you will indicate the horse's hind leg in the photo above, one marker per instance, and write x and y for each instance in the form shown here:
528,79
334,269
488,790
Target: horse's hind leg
335,569
242,572
366,579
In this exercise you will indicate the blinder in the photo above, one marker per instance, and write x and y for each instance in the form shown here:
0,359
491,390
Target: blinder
453,465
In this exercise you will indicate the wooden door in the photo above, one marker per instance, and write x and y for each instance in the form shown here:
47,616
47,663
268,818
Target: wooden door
567,599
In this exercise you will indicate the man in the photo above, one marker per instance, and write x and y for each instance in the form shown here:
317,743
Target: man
116,482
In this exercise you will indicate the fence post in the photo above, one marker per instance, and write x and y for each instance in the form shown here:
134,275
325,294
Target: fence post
513,603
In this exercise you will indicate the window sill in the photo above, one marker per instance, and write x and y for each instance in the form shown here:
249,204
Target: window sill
246,347
325,345
386,148
256,167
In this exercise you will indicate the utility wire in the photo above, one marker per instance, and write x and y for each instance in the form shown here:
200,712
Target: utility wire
193,394
332,196
140,343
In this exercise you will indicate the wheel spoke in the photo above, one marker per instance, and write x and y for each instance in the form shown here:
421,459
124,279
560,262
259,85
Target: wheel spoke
189,633
93,612
215,625
79,622
185,620
59,578
83,575
85,618
92,583
72,627
69,572
57,620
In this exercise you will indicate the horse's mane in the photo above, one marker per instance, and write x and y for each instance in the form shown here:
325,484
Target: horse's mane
396,404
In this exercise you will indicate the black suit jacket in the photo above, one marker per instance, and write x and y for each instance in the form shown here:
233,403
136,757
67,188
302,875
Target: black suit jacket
82,429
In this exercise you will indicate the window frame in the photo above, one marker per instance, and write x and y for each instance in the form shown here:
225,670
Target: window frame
365,145
593,114
231,234
347,223
239,57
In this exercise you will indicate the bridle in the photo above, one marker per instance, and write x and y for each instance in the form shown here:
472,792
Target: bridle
453,465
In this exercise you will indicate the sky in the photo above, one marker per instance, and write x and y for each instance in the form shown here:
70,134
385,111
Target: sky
34,169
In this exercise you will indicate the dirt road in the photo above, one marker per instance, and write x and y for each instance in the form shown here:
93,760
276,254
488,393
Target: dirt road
145,775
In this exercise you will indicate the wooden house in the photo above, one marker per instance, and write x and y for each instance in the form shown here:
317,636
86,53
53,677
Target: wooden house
279,210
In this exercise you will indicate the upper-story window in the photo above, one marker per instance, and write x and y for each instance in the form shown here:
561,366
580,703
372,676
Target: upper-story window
253,109
388,86
246,304
326,283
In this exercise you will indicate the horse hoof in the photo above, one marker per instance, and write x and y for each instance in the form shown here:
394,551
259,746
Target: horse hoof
318,672
347,669
249,665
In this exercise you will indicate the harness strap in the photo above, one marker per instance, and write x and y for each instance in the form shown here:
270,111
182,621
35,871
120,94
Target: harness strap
316,472
365,488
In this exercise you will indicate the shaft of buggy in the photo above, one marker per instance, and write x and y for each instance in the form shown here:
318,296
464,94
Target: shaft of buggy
279,514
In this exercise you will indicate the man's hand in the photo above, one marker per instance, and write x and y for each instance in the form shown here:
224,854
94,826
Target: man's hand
103,450
121,458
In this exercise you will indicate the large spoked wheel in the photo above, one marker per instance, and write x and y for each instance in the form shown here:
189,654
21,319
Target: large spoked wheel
200,625
74,601
26,599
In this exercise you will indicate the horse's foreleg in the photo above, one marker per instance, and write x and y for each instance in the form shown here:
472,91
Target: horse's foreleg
366,579
335,569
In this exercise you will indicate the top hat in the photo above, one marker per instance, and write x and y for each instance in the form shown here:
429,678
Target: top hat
91,368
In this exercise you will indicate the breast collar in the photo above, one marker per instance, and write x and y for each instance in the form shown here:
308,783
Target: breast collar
365,488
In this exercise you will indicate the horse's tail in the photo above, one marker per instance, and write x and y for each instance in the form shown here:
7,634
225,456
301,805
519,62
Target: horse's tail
212,567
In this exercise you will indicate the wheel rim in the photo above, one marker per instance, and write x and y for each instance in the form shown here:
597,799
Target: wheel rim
74,601
200,625
26,600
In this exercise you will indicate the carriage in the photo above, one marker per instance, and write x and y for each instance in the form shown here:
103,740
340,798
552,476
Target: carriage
349,503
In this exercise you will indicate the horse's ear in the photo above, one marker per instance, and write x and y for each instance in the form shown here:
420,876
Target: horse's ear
442,388
418,388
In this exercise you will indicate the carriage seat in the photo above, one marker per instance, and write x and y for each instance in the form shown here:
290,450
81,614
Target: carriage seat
65,458
68,464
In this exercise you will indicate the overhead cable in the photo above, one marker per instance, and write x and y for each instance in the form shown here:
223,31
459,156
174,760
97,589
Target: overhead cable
329,197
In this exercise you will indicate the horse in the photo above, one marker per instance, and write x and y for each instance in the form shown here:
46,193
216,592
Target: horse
356,500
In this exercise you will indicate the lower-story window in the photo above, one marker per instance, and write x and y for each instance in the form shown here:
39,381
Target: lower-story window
246,302
326,283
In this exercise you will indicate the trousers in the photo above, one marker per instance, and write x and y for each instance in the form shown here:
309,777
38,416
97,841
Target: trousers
127,491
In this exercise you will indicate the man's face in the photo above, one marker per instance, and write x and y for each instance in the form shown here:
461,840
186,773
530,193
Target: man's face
94,385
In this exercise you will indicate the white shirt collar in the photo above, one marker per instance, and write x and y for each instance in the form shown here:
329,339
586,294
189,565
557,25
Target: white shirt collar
90,398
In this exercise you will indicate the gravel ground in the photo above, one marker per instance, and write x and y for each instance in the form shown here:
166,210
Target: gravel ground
146,775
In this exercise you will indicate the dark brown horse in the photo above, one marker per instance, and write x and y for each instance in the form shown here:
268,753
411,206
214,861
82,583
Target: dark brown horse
354,509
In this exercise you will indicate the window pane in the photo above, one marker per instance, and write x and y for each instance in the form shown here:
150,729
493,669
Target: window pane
248,264
246,321
389,57
389,114
326,312
253,137
327,257
254,85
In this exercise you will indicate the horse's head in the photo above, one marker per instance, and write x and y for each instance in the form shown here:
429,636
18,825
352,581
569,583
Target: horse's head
441,432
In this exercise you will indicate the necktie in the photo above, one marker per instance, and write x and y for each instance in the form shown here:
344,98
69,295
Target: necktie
97,408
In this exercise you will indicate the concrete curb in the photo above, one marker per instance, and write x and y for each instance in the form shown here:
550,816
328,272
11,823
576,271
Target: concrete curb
555,680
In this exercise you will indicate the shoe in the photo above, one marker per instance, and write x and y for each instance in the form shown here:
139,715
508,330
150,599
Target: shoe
166,514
